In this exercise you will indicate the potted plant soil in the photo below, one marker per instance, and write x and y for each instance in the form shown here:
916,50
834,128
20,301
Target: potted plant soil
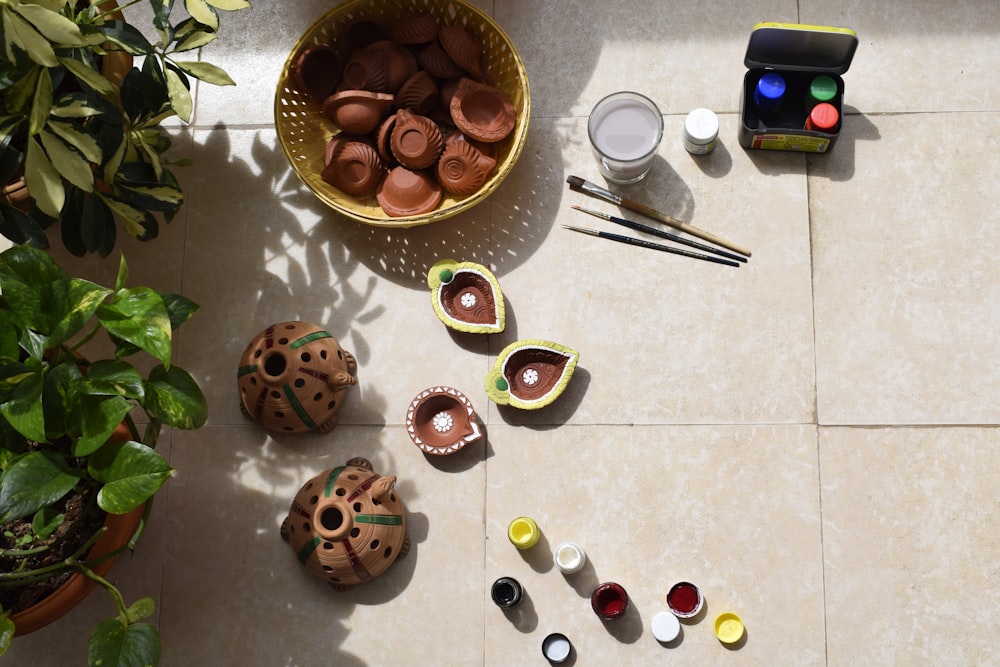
81,143
78,465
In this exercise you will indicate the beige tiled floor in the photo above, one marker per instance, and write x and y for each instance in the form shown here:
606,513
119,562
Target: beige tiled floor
812,438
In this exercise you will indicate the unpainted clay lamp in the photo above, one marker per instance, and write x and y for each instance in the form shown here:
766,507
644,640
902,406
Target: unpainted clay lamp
293,376
359,33
462,45
419,94
439,64
482,112
415,141
405,192
347,525
530,374
466,296
317,71
355,168
415,28
400,63
357,111
462,169
366,70
382,138
441,420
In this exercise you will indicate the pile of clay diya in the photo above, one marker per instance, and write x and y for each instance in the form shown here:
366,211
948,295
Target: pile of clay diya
416,115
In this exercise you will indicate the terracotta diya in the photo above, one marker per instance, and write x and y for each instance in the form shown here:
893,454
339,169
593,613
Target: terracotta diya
530,374
357,111
347,525
441,420
406,192
482,112
318,71
293,376
466,296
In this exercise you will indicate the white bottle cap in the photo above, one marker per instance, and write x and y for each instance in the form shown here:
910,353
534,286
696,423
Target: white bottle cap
665,626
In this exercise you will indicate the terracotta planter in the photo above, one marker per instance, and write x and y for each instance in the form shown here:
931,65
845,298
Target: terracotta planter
120,529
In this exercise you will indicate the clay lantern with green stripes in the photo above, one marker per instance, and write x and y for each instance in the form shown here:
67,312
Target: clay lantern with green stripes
293,376
347,525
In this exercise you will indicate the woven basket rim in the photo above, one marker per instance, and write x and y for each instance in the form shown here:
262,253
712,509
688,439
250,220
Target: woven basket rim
287,81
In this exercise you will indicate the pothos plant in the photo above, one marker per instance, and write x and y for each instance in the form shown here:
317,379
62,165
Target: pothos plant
91,150
58,409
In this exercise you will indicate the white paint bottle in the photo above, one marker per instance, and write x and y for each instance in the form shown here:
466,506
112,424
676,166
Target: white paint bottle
701,131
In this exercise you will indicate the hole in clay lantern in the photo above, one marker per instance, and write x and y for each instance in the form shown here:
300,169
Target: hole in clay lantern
332,518
275,365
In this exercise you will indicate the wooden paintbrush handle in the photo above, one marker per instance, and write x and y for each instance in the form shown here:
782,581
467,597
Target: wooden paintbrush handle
683,226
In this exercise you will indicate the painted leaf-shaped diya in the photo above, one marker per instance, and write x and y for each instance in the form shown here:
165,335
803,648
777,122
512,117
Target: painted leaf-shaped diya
466,296
530,374
441,420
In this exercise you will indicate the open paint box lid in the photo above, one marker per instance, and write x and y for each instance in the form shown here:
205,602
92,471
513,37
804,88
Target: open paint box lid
801,47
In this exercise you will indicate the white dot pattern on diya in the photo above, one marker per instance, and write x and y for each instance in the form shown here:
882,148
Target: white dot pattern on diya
443,422
468,300
530,377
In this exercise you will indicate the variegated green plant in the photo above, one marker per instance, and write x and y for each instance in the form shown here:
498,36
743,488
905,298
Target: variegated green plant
91,150
58,410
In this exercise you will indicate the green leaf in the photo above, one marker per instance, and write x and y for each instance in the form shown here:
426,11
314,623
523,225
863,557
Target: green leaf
140,609
180,308
54,26
203,13
133,219
41,105
23,409
155,198
180,96
173,397
111,377
115,645
87,76
84,143
69,304
6,633
131,473
127,37
97,230
45,522
193,38
139,316
33,481
21,33
230,5
75,105
97,418
43,180
30,266
122,276
207,72
69,163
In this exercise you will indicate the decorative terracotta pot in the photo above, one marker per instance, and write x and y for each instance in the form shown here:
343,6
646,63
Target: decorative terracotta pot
357,111
415,141
120,529
347,525
466,296
293,376
462,45
462,169
407,192
441,420
530,374
355,167
415,28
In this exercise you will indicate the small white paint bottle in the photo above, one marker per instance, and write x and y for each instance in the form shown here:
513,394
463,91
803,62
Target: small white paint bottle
701,131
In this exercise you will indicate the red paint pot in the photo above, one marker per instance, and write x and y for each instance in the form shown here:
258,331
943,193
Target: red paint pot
609,600
685,600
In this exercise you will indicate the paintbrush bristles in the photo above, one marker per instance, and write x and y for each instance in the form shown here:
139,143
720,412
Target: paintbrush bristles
575,182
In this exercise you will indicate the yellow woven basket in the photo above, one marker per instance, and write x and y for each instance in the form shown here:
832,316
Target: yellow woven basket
304,130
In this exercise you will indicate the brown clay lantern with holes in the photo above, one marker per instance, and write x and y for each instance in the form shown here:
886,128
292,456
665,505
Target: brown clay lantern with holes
293,376
347,525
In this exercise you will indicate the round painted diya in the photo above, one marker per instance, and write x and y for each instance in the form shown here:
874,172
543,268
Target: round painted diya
347,525
441,420
293,376
466,296
530,374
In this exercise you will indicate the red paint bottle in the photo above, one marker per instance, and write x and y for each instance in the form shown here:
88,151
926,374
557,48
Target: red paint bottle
609,601
823,118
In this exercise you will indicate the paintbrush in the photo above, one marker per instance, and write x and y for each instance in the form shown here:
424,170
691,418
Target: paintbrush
639,227
580,185
642,243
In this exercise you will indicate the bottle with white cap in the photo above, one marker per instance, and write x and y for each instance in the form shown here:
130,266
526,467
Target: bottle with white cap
701,131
